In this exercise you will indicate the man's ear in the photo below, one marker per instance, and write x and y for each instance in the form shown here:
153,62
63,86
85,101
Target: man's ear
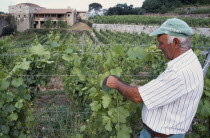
176,43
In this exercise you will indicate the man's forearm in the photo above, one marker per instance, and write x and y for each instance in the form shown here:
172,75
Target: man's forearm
129,92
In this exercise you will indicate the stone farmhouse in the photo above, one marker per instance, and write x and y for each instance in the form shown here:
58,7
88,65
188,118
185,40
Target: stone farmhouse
28,15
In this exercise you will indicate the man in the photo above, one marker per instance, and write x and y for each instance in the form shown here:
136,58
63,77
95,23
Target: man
170,100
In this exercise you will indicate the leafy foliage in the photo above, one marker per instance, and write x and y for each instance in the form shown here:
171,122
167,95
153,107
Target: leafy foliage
160,6
8,30
164,6
95,6
148,20
111,114
48,23
124,9
62,24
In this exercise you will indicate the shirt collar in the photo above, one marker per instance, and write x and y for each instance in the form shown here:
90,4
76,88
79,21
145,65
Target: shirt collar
183,58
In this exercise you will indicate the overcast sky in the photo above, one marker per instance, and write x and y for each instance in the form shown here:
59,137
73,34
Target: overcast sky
76,4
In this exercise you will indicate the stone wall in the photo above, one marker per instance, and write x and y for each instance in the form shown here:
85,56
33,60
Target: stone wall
177,15
23,15
82,15
141,28
71,19
6,20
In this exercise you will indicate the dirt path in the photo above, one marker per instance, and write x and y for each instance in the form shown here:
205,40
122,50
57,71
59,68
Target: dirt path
81,26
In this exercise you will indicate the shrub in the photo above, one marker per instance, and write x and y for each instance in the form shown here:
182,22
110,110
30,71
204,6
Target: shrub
200,11
8,30
62,24
89,24
48,23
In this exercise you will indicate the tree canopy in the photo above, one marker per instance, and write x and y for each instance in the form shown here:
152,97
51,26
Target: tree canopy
123,9
160,6
195,1
95,6
163,6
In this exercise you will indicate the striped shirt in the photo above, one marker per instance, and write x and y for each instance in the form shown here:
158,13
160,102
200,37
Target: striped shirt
171,100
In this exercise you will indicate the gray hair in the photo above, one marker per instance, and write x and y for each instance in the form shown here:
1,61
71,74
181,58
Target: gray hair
184,41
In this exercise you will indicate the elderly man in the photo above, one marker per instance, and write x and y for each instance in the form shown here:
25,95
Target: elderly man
170,100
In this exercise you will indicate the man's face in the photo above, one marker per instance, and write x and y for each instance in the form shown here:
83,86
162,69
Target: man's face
167,49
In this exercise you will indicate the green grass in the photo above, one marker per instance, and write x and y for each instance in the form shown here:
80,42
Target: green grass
200,11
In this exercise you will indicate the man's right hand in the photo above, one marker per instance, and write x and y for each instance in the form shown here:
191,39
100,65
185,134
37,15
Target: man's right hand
127,91
112,82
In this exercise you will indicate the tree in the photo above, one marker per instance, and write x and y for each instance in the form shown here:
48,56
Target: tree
2,12
95,6
139,11
48,23
62,24
160,6
8,30
123,9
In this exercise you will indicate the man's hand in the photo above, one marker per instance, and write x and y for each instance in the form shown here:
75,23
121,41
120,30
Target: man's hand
127,91
112,82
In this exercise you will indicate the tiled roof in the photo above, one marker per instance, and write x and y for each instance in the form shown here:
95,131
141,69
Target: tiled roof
29,4
53,11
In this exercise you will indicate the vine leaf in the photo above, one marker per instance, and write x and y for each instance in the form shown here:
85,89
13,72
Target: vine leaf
39,50
205,109
1,104
78,72
106,100
5,129
9,108
24,65
136,53
13,117
19,104
17,82
107,122
95,106
69,51
93,92
4,85
102,77
117,71
118,49
2,74
124,131
54,44
118,114
66,57
10,96
82,128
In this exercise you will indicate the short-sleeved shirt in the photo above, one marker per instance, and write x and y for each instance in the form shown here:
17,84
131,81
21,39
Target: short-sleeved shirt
171,100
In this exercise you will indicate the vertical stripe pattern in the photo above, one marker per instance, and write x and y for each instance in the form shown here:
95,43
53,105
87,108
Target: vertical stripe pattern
171,100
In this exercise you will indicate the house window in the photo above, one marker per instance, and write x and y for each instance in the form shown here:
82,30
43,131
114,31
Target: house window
24,16
68,15
18,15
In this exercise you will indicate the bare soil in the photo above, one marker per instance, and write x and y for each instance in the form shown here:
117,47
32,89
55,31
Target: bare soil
55,84
57,100
81,27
